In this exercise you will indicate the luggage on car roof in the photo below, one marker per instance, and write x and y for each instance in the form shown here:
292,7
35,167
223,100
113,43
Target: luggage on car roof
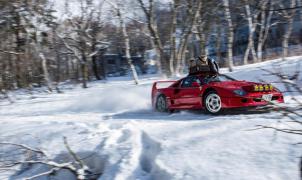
203,65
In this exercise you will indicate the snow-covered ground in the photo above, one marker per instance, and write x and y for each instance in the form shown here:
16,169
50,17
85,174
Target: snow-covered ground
115,123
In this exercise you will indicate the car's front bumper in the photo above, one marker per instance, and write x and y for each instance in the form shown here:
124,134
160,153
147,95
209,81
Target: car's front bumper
250,100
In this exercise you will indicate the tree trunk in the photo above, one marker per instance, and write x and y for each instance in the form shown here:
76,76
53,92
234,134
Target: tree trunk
84,70
201,36
173,37
203,42
264,29
95,68
299,3
286,36
218,45
261,34
102,66
252,26
58,61
127,46
183,58
94,61
45,71
162,64
69,68
230,34
18,59
185,38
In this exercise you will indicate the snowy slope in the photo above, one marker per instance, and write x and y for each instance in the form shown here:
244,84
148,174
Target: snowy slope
114,121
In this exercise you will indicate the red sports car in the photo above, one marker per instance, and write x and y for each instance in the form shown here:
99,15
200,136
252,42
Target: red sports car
213,93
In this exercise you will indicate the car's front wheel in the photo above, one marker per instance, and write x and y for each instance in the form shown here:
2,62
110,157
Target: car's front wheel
212,103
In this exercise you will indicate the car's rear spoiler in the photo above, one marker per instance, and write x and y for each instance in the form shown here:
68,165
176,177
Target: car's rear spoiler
155,88
159,82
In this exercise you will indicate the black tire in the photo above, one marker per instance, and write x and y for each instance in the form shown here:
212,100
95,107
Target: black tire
212,103
161,104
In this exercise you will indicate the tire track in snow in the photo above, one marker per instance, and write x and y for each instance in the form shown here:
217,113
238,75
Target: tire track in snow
121,148
132,154
148,157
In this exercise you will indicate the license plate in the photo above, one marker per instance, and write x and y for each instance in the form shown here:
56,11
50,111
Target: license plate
267,97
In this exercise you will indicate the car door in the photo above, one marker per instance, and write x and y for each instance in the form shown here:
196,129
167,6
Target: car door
187,96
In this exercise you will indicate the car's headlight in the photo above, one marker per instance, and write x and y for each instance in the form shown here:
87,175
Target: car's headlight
240,92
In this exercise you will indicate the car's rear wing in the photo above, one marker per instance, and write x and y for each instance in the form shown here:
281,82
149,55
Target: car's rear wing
162,82
156,84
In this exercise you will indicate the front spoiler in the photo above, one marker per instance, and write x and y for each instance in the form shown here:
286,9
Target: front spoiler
248,101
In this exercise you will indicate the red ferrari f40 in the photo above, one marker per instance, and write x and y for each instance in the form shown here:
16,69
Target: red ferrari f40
213,93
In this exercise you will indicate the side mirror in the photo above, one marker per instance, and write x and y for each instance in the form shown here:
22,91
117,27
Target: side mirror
195,84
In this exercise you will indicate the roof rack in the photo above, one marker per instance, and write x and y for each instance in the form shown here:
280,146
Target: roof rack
203,70
208,73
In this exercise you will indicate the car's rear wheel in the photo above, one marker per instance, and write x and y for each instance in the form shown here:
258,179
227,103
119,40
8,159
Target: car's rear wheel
161,104
212,103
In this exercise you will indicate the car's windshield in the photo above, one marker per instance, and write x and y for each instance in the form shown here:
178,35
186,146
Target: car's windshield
217,78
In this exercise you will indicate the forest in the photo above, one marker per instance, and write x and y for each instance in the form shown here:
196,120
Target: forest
45,42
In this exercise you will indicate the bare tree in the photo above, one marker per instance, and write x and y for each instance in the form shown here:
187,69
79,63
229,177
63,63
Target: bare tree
265,25
28,156
193,9
175,8
154,34
252,23
120,10
45,70
127,45
228,17
82,39
209,25
190,12
289,18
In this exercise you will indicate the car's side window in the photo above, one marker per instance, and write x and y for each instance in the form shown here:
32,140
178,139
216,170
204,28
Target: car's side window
198,80
208,79
187,82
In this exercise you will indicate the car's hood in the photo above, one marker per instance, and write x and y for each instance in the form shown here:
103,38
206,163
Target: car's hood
233,84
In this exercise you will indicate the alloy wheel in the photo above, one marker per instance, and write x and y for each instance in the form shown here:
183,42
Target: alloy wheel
213,103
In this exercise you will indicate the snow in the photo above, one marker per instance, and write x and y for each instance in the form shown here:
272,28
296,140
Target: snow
114,121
